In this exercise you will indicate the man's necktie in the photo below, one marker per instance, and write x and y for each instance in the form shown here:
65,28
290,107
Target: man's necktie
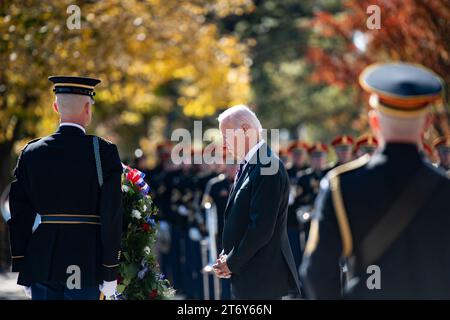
239,171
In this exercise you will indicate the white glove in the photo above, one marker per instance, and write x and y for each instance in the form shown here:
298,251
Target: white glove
27,291
108,288
183,211
194,234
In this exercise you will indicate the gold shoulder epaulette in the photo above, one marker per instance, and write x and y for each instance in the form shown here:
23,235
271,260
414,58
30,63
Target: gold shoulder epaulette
338,202
349,166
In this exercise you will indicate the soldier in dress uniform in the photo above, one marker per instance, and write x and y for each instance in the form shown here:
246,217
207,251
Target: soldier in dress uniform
76,246
343,147
365,144
168,195
308,187
386,215
442,146
283,154
299,154
216,193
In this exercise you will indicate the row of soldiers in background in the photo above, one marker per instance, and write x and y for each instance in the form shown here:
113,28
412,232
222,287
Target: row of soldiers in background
185,192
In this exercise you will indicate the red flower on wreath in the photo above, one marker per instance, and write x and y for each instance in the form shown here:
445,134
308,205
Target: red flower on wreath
153,294
133,176
119,279
145,227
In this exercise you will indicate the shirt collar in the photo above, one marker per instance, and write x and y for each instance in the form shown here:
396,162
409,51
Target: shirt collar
253,150
73,125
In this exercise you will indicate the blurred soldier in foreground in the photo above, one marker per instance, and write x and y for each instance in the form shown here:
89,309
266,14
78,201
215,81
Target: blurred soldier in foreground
442,146
76,246
387,215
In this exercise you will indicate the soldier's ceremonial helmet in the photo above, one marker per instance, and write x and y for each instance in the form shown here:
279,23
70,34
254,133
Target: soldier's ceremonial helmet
366,143
318,149
74,85
298,146
344,142
401,89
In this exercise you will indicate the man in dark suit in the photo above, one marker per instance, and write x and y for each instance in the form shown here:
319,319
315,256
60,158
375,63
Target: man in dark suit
386,215
76,246
256,251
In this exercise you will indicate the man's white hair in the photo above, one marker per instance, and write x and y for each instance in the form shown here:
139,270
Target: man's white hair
71,104
239,115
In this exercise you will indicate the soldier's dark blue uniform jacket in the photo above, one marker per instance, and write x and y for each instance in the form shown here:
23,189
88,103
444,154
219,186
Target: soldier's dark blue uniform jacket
217,192
81,223
308,186
416,265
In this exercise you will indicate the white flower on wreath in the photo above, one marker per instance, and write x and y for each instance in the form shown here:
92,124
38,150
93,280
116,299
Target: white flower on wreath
147,250
144,208
136,214
125,188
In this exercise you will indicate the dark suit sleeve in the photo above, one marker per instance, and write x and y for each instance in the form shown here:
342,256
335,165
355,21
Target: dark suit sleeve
264,207
320,271
111,211
22,215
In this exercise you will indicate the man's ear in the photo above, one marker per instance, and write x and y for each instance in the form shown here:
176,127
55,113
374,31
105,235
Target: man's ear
245,127
55,107
86,108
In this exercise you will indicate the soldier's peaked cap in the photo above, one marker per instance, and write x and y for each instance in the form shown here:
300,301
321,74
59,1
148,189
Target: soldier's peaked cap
74,85
401,88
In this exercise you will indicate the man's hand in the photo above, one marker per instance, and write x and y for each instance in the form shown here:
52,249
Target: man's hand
221,268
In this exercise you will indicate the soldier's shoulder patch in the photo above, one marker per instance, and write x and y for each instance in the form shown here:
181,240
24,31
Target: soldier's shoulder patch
349,166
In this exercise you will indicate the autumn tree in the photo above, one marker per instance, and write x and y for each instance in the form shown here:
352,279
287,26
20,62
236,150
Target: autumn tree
153,57
414,31
282,91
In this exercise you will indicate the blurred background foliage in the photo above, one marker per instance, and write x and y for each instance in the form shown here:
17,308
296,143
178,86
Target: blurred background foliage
159,61
165,63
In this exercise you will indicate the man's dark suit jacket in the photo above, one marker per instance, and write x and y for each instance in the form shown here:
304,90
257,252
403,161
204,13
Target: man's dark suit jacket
255,232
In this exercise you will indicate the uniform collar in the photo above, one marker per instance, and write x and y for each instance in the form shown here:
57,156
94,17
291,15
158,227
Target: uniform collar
69,127
403,152
70,124
400,148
